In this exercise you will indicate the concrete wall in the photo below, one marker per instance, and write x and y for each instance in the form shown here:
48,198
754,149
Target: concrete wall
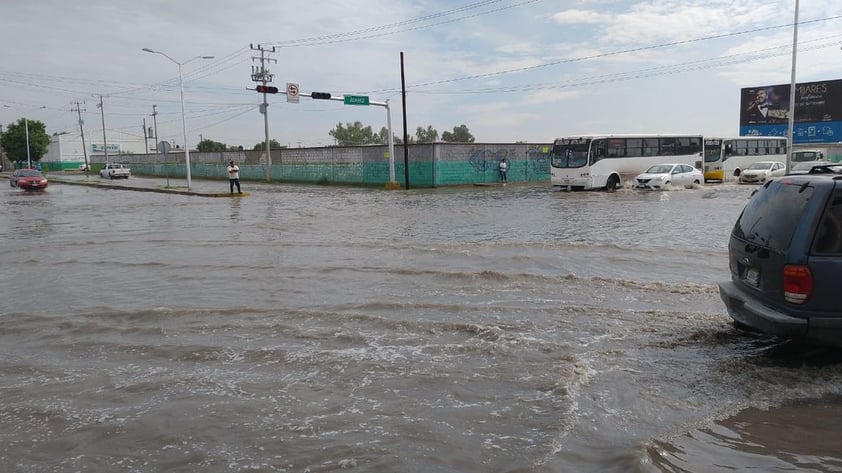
430,165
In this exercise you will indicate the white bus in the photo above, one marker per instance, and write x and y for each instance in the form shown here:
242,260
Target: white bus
725,158
608,161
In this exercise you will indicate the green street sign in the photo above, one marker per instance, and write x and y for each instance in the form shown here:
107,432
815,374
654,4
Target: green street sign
356,99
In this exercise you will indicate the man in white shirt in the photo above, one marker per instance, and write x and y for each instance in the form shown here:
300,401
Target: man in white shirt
504,168
234,176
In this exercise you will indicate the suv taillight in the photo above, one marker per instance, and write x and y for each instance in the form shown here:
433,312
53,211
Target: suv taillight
798,283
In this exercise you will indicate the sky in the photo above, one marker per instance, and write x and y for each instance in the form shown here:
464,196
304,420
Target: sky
509,70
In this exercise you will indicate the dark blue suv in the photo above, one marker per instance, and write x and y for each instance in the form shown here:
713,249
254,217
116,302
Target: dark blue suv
785,256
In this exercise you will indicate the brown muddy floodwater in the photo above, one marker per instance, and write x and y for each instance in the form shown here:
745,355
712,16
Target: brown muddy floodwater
316,329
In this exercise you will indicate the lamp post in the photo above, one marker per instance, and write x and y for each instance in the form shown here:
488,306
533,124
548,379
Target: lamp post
183,120
26,126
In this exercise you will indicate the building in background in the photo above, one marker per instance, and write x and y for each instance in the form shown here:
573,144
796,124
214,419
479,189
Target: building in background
66,152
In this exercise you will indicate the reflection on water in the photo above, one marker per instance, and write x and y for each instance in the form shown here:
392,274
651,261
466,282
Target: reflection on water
797,436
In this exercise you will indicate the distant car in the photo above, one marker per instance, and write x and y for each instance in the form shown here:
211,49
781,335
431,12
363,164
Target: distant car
785,258
762,171
660,176
84,167
29,179
115,171
807,155
805,167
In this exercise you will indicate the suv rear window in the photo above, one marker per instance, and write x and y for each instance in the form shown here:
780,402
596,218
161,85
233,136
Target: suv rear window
829,235
771,216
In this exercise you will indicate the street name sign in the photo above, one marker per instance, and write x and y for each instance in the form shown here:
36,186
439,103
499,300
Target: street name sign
356,99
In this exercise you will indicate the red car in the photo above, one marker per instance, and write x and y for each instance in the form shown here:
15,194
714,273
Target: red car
30,179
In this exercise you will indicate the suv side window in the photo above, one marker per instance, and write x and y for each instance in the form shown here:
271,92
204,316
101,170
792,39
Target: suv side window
829,232
772,215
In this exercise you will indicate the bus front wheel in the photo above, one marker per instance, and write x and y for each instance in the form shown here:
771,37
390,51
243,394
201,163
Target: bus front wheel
613,183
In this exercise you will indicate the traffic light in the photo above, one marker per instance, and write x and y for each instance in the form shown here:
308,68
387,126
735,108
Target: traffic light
320,95
267,89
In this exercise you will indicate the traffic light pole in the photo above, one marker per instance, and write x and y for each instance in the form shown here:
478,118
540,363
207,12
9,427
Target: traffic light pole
266,136
348,100
326,96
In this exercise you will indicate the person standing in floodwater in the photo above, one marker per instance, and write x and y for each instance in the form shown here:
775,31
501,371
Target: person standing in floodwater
234,176
504,168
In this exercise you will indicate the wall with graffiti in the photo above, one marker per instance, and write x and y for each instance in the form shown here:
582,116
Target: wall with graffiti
426,165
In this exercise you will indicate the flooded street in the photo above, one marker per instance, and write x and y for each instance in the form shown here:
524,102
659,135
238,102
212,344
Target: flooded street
318,329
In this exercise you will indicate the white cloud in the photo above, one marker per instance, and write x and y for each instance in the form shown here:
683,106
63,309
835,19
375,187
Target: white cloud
580,17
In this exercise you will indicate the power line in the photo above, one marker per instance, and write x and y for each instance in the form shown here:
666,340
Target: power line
618,52
706,63
319,39
316,41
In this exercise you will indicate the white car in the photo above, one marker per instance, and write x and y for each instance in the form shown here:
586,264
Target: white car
661,176
762,171
115,171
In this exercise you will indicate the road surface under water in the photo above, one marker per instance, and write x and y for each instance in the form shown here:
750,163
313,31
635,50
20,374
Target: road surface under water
318,329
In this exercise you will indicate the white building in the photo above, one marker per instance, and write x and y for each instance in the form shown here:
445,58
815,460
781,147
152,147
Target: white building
67,153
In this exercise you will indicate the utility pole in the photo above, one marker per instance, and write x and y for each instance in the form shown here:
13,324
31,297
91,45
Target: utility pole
262,74
157,150
155,121
82,132
145,137
104,142
2,159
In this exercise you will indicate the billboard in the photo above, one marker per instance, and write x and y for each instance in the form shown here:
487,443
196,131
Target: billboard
764,111
98,148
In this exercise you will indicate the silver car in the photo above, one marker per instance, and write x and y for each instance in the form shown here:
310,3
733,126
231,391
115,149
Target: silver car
661,176
762,171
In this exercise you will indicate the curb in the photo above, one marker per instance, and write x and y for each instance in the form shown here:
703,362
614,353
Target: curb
101,185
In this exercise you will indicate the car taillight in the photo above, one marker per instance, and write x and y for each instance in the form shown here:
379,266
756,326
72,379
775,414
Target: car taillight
798,284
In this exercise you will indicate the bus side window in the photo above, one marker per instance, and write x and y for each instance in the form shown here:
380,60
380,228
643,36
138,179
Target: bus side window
598,150
729,150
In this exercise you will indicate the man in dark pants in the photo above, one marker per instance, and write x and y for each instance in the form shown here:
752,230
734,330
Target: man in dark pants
504,168
234,176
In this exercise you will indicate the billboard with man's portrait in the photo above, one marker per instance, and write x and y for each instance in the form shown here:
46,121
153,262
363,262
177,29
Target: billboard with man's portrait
764,111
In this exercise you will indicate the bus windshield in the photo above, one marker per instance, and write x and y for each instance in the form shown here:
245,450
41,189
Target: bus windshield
713,150
570,153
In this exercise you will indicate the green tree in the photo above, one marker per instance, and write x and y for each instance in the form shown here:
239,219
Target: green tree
460,135
352,134
273,144
210,146
14,140
383,137
430,135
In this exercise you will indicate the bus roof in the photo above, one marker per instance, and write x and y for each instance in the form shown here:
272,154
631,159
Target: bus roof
632,135
744,138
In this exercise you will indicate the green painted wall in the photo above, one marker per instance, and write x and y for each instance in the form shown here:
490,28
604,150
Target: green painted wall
430,165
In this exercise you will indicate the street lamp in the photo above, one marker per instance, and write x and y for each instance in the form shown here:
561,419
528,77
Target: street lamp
183,120
26,126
